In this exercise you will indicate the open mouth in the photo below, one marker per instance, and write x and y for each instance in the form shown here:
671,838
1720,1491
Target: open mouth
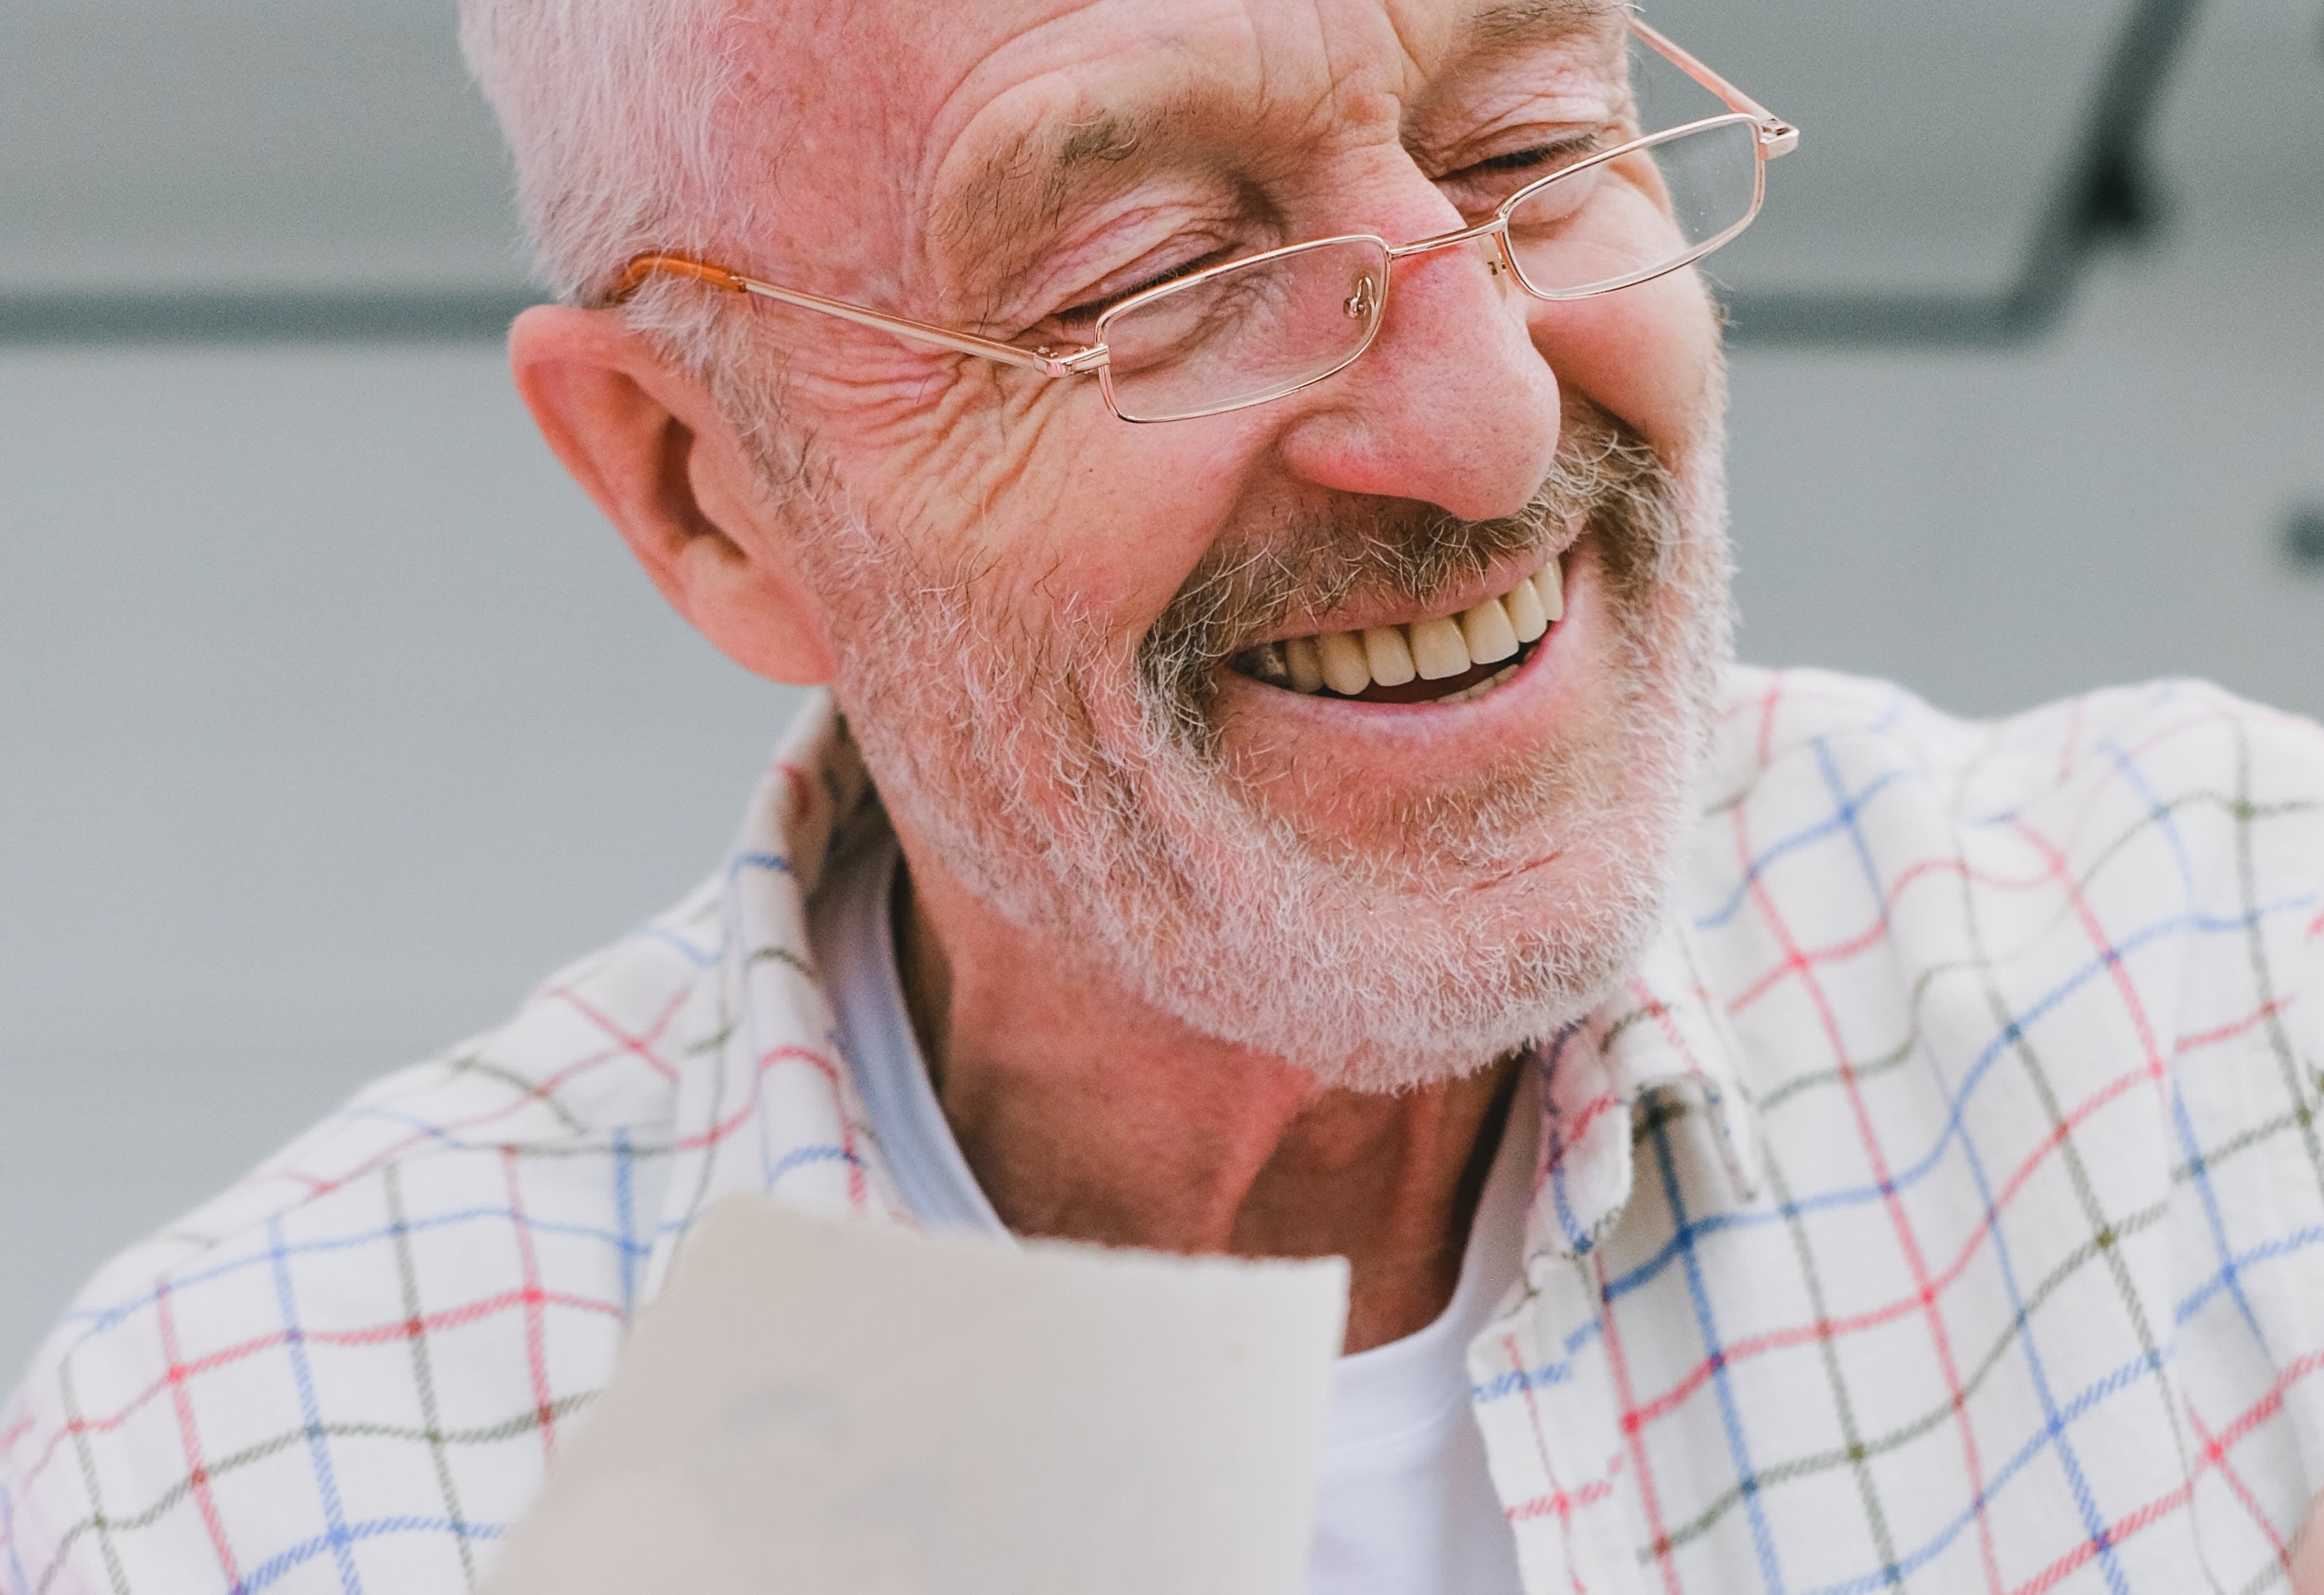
1449,659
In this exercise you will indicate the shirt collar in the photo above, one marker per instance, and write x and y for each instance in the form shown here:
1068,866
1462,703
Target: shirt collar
1661,1033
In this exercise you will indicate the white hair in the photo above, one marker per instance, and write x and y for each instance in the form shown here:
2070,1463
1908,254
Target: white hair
621,115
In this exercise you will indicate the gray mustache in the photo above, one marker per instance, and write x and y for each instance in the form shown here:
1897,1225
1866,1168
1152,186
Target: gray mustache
1396,551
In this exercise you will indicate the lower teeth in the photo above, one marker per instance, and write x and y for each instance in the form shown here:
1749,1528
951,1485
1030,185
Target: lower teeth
1468,694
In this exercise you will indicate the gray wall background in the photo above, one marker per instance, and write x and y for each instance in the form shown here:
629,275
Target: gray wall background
331,717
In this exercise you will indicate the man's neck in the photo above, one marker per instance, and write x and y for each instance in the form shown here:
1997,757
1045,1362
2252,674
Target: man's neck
1087,1114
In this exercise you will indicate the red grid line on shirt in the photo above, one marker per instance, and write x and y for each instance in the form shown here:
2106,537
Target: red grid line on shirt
2008,1337
1829,1022
1763,746
2070,742
107,1524
197,1473
543,1092
1807,1335
858,1190
2214,1455
535,1342
382,1333
2078,898
1959,868
719,1131
1559,1503
1896,1055
2261,1016
1596,1107
2234,1029
638,1046
2215,1452
1633,1430
1879,932
2090,802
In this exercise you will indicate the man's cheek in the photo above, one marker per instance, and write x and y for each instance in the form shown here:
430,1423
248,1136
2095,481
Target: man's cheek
965,452
1648,355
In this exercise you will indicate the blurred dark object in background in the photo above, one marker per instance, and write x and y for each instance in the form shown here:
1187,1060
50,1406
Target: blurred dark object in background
2303,536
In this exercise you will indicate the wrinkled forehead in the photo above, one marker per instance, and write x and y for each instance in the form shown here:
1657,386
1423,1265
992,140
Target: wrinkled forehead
945,130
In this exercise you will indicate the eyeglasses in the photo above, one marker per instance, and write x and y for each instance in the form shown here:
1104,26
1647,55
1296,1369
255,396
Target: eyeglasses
1266,325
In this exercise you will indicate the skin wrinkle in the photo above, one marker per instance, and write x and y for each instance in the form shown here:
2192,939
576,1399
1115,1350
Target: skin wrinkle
1027,186
1195,974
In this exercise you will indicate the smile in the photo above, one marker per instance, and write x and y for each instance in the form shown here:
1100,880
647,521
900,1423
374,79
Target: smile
1448,658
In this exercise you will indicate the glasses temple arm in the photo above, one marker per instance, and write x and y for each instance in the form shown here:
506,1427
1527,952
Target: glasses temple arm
1071,363
1782,138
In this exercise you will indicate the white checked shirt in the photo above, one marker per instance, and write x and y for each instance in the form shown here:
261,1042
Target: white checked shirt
1939,1207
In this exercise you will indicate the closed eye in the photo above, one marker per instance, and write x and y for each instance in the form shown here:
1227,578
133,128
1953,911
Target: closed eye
1087,311
1540,157
1482,186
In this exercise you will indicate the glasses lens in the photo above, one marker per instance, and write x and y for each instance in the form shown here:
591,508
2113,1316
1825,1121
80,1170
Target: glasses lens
1253,332
1618,221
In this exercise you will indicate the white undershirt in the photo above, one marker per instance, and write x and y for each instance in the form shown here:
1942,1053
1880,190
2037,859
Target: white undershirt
1407,1506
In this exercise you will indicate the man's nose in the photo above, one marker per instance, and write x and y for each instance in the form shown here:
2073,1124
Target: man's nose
1451,405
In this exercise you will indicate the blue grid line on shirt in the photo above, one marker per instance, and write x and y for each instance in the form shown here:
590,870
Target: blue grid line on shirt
1931,870
2049,1433
1905,1431
2235,1260
98,1320
313,1434
2110,958
1520,1378
327,1484
1763,1543
1889,1187
287,1338
2005,1341
223,1467
1829,1329
2054,1432
2071,1155
1820,829
1865,1195
341,1541
633,1249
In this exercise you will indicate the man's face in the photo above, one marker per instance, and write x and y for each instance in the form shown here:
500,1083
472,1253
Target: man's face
1053,624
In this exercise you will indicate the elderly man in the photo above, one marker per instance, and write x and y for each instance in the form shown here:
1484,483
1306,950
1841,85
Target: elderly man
1249,476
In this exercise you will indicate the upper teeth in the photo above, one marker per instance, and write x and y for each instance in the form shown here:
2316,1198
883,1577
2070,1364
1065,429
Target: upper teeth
1434,650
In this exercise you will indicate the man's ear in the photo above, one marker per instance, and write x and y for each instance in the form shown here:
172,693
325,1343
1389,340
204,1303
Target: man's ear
649,446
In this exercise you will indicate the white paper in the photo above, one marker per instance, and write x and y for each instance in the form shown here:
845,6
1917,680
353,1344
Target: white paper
821,1409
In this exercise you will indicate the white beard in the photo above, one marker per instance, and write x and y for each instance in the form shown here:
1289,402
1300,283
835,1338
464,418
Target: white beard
1077,795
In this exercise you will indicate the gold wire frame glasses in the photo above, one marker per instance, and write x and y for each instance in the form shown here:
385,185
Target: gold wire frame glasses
1263,326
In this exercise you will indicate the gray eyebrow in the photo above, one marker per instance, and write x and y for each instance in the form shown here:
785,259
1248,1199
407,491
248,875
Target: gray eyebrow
1028,184
1520,20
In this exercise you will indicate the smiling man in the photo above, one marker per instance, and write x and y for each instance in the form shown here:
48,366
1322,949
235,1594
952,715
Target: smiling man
1248,473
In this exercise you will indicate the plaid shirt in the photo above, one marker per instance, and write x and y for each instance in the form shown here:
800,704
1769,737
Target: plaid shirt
1939,1207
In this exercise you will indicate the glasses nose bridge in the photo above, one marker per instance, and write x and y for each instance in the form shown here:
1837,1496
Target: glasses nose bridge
1496,228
